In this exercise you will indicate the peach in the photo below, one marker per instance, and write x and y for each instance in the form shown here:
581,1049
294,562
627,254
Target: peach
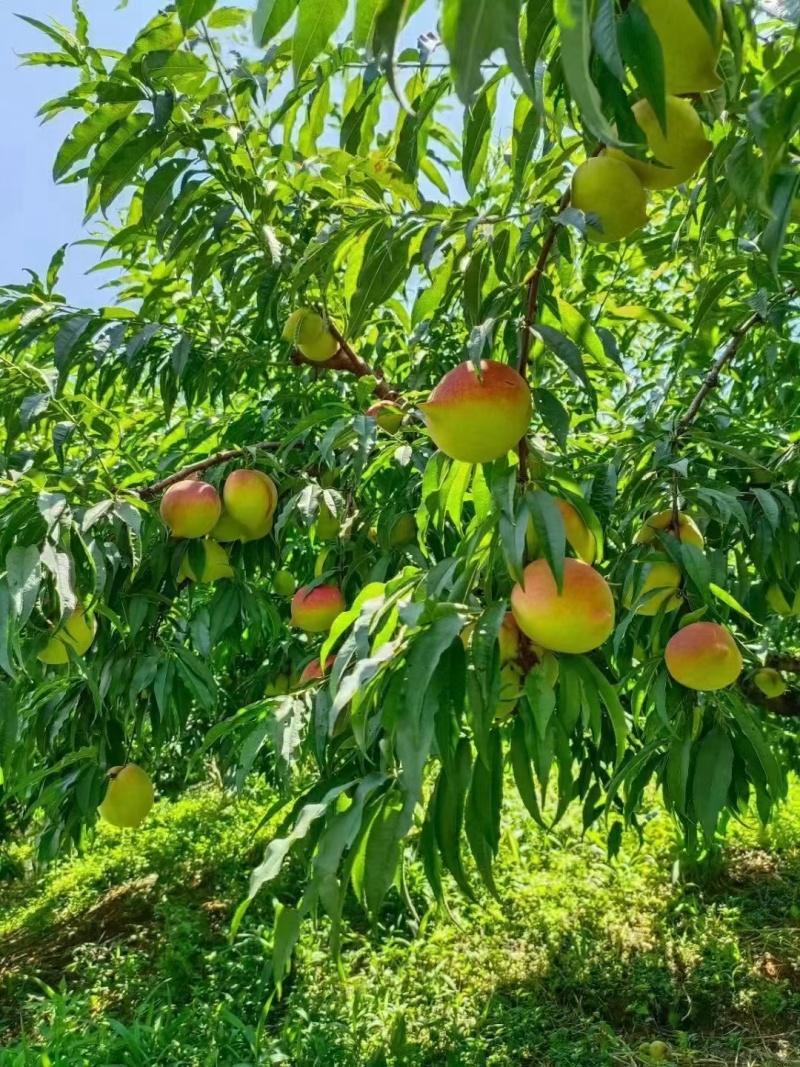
250,498
77,633
577,620
191,508
512,683
770,682
228,529
703,656
277,686
387,414
686,530
284,584
314,672
478,419
547,662
660,587
579,536
215,564
129,797
327,525
778,602
314,610
508,637
309,332
403,531
608,189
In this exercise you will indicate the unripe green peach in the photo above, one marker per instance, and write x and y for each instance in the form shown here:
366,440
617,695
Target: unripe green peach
703,656
659,588
191,508
228,529
683,150
387,414
216,564
478,419
690,55
328,525
403,531
308,332
659,1050
512,683
250,498
608,189
278,686
770,682
576,620
663,522
129,797
778,602
314,610
577,533
284,584
77,633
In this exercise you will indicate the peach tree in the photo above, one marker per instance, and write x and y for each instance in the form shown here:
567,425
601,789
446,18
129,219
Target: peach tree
436,435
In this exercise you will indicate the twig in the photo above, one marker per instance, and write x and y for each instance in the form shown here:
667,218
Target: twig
346,359
149,491
787,705
711,380
531,311
790,664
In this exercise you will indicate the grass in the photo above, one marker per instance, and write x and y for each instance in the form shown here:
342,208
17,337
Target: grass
120,956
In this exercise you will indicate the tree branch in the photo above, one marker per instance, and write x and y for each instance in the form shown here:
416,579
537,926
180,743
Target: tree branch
711,380
790,664
149,491
346,359
531,312
786,706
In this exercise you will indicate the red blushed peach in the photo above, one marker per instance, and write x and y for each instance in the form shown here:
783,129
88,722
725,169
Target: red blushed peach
250,498
314,610
703,656
479,419
387,414
577,620
191,508
313,672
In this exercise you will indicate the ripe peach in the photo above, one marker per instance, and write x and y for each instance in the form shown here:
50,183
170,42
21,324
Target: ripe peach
313,671
578,534
191,508
686,531
250,498
215,564
477,420
129,797
660,587
387,414
703,656
309,332
770,682
77,633
577,620
314,610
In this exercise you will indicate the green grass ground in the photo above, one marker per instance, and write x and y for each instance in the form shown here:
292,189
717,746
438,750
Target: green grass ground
120,956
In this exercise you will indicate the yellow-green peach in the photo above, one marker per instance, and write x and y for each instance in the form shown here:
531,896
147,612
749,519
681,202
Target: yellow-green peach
579,536
308,332
129,797
683,149
216,564
770,682
77,633
387,414
686,531
250,498
659,588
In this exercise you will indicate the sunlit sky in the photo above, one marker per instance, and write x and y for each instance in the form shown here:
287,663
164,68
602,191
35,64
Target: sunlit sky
36,215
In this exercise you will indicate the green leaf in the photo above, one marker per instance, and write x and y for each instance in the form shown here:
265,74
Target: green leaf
641,49
483,809
575,22
120,173
783,195
568,352
86,134
604,37
225,18
383,269
448,813
539,21
477,131
269,18
5,629
191,11
713,771
158,190
472,30
316,24
286,931
382,852
364,25
429,300
525,137
549,526
23,576
554,415
523,776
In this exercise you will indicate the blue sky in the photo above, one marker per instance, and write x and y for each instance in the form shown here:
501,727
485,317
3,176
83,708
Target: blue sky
36,216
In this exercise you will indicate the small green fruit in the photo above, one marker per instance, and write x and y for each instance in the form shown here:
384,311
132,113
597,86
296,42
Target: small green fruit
659,1050
284,584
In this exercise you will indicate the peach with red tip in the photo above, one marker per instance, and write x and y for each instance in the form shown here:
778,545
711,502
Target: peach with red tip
477,418
314,671
703,656
191,508
314,610
576,620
